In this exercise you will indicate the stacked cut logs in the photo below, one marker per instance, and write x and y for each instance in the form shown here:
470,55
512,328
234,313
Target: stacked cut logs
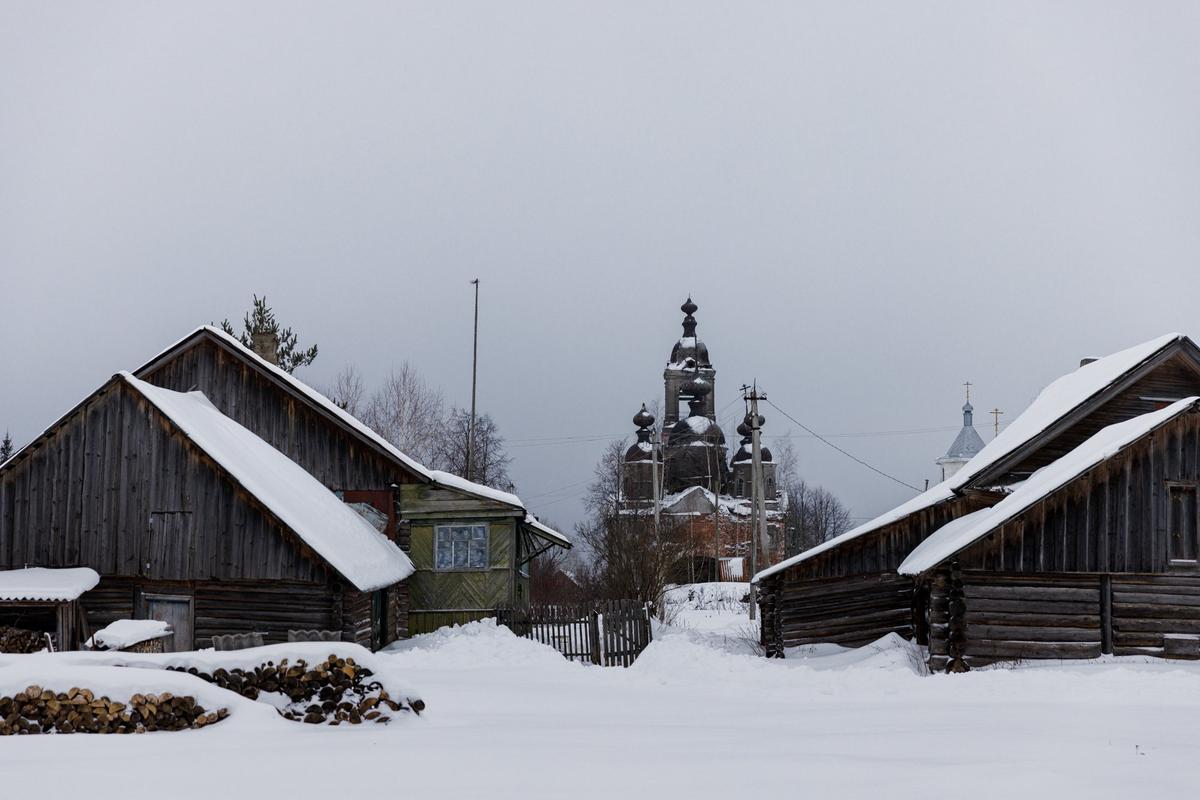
334,691
19,640
38,710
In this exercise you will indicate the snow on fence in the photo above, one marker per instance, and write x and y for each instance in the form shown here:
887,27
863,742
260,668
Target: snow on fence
611,632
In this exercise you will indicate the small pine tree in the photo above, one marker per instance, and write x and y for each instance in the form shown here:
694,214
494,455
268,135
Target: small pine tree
261,319
6,448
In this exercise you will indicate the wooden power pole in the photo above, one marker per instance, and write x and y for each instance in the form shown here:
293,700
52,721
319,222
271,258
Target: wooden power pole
758,535
474,369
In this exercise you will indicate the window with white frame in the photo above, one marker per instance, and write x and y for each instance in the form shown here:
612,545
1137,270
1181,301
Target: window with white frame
461,547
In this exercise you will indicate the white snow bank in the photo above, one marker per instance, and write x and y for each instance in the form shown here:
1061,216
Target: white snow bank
953,537
361,554
1054,402
41,583
127,632
476,645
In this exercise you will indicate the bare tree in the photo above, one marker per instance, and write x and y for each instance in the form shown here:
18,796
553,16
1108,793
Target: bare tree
630,558
604,492
489,460
407,412
814,515
348,390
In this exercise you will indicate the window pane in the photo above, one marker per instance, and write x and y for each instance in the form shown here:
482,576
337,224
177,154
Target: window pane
479,554
460,555
444,551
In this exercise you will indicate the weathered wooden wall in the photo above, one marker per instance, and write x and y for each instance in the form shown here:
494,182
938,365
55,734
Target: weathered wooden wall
1012,617
447,597
221,607
849,611
117,489
324,447
1111,519
1016,617
819,599
1175,376
1156,615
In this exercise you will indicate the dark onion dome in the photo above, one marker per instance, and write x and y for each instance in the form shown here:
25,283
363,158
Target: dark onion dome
746,450
642,449
688,346
696,429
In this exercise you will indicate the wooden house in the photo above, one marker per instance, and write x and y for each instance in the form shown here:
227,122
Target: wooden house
470,544
852,589
191,518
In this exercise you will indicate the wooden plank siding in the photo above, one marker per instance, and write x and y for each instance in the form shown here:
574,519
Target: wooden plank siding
1112,519
116,487
1174,374
243,391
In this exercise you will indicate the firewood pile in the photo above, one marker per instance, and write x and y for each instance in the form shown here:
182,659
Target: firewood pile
38,710
19,640
334,691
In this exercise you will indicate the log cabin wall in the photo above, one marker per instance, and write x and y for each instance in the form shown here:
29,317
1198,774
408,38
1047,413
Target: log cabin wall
1094,567
852,594
849,611
1016,617
221,607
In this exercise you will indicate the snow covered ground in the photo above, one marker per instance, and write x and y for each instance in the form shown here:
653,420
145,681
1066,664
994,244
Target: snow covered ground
697,717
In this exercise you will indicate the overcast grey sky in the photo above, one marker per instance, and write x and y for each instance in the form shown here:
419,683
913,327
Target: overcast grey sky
870,202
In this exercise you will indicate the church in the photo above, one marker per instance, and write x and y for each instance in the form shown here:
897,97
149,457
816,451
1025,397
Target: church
684,466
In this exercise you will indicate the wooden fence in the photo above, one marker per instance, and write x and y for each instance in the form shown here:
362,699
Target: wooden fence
611,632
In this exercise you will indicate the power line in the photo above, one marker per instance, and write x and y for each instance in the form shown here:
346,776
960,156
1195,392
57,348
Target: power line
840,450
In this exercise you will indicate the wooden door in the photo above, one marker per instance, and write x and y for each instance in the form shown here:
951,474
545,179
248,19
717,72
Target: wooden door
176,611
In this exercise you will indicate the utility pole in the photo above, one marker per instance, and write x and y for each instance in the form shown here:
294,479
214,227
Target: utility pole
759,534
474,373
995,412
655,491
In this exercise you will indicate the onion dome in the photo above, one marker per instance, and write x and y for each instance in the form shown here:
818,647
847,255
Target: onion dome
642,449
688,346
746,450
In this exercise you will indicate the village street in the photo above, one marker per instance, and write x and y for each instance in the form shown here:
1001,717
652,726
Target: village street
695,717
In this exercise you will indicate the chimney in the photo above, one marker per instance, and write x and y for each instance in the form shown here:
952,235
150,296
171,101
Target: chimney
265,345
1083,362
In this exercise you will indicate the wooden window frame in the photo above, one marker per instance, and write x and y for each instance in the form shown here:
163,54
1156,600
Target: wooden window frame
1183,563
487,530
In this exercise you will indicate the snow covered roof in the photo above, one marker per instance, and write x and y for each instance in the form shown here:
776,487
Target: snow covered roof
336,532
1059,399
43,584
926,499
956,535
433,476
546,531
1052,404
